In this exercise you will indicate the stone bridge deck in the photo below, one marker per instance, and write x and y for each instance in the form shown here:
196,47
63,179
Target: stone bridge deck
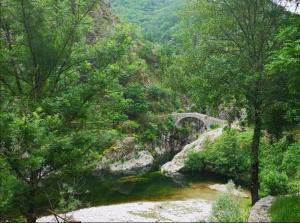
207,120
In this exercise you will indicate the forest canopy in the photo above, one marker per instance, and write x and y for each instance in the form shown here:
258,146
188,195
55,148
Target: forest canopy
80,77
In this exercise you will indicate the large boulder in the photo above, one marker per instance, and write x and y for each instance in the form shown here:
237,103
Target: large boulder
125,158
260,211
141,164
178,162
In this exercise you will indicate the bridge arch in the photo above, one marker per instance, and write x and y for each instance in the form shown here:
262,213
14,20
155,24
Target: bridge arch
207,121
197,124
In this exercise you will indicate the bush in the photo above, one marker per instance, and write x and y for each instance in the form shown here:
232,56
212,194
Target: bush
230,156
150,132
129,127
153,128
280,168
138,105
225,156
273,182
294,184
291,159
196,161
160,99
229,208
271,155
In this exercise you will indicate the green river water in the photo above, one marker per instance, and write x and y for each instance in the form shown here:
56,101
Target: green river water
151,187
97,191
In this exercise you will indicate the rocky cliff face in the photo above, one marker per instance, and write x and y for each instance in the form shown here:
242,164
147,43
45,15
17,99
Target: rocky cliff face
104,21
178,162
127,158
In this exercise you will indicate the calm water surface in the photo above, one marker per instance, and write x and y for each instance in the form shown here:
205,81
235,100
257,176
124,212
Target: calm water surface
97,191
151,187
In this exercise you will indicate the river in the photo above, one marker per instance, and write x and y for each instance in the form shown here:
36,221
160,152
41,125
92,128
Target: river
147,198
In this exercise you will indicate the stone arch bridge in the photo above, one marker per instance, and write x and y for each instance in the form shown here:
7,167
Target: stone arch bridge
208,121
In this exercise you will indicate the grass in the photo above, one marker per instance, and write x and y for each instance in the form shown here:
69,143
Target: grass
286,209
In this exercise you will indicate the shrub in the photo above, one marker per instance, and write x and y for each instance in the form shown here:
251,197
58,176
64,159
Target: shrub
195,161
150,132
107,139
138,105
129,127
225,156
230,156
229,208
273,182
280,168
291,159
271,155
294,184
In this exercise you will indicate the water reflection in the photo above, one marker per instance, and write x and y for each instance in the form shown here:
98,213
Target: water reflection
151,187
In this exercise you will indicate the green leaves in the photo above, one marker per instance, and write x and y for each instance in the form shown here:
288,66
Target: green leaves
154,18
137,101
38,47
291,158
229,207
226,156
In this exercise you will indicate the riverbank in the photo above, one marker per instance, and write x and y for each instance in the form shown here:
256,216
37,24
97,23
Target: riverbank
192,210
150,198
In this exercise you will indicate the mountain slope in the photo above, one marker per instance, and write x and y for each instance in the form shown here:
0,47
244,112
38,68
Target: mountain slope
155,18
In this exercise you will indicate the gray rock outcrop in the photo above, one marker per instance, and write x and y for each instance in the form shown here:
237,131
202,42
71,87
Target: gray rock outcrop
223,188
260,211
178,162
125,158
141,164
191,210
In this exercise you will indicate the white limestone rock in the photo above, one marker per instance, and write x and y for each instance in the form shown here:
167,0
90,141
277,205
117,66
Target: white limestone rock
224,188
193,210
178,162
140,164
260,211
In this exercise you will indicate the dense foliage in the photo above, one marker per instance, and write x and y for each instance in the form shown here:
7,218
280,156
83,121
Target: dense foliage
229,155
231,54
67,93
229,207
75,79
156,19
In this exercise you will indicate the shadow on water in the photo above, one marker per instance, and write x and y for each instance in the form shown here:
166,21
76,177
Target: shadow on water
151,187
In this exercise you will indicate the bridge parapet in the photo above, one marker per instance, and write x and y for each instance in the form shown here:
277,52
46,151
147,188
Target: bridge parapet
207,120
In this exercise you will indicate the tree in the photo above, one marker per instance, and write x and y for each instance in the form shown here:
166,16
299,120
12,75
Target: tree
284,68
230,43
138,104
43,102
156,19
66,91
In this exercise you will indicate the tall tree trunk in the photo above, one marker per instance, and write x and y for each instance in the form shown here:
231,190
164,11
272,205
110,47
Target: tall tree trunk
255,157
31,213
31,218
